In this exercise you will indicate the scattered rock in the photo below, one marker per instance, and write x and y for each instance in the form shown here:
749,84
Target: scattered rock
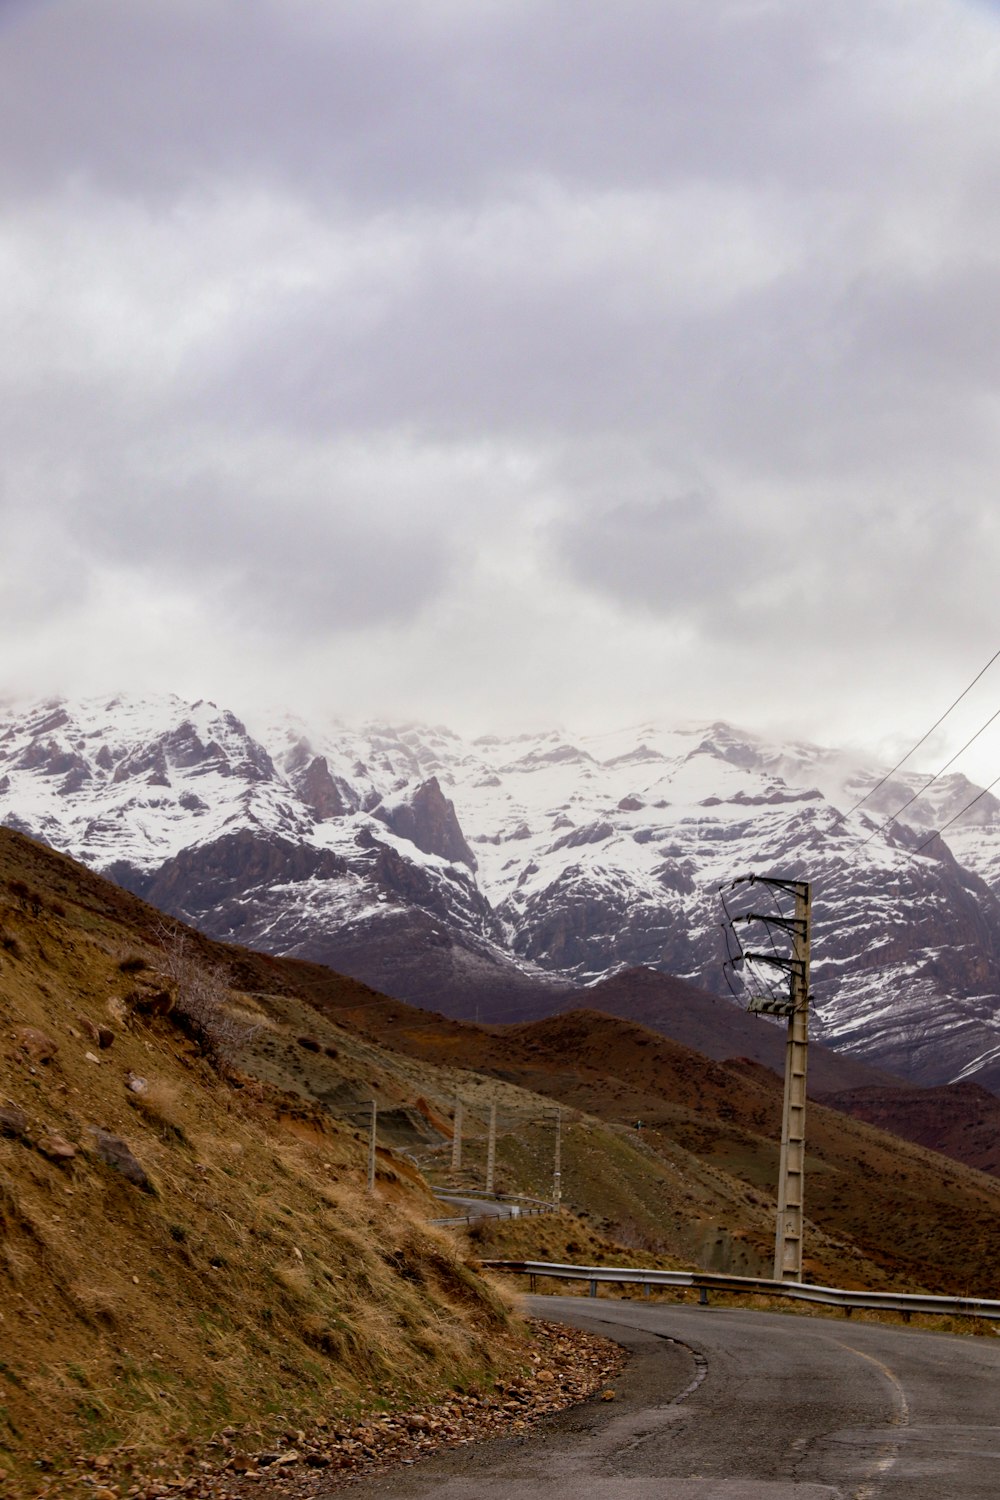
578,1363
117,1153
35,1044
150,1002
102,1035
56,1147
13,1122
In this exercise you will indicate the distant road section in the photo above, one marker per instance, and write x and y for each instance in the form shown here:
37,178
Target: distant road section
724,1404
486,1208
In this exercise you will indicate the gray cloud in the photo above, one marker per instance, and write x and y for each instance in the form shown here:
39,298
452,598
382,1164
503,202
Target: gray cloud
417,100
654,323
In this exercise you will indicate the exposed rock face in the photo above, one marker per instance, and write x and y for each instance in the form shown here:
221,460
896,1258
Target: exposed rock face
207,876
57,1148
325,797
429,821
118,1154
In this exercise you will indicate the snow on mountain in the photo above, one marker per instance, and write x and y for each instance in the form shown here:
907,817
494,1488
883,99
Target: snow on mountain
484,876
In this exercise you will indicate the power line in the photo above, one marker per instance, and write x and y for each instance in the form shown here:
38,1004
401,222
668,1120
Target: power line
960,814
914,748
929,783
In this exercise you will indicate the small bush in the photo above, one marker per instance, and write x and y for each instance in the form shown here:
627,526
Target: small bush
160,1105
132,963
10,944
202,1003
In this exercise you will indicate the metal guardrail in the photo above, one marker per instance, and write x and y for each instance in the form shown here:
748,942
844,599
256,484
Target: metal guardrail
706,1281
480,1193
511,1205
515,1211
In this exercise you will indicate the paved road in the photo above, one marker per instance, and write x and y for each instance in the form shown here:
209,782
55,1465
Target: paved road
722,1404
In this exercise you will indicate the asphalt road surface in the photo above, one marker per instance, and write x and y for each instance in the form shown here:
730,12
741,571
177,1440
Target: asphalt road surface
488,1208
722,1404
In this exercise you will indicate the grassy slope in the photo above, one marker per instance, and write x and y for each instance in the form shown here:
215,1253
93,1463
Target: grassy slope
254,1279
882,1210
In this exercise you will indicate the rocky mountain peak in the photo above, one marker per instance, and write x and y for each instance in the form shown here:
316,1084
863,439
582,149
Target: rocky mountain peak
427,819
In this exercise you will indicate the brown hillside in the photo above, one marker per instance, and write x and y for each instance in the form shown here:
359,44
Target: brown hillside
961,1120
182,1246
923,1220
717,1027
255,1255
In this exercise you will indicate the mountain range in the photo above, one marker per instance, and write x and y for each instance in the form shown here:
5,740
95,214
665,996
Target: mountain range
498,877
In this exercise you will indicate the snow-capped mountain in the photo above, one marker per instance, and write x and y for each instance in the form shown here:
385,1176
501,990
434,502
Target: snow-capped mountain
485,876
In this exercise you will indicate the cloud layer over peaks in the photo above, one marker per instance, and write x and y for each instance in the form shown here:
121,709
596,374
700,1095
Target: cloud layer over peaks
500,360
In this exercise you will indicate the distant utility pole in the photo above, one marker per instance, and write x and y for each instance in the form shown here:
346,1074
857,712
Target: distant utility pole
792,1163
491,1146
456,1140
371,1148
557,1165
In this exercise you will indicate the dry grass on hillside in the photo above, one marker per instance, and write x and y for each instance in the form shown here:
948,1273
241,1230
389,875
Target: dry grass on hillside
244,1275
882,1211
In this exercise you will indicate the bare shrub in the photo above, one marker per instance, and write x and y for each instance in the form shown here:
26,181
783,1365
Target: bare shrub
202,1005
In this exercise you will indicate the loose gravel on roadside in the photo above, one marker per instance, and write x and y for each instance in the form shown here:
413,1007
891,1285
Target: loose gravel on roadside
567,1366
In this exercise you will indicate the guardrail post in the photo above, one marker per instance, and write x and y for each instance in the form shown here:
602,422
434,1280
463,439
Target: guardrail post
532,1280
703,1296
593,1288
645,1289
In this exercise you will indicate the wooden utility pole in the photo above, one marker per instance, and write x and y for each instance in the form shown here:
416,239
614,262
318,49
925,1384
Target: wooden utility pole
456,1140
491,1146
792,1165
371,1148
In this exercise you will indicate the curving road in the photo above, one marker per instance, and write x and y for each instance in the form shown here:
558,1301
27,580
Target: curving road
722,1404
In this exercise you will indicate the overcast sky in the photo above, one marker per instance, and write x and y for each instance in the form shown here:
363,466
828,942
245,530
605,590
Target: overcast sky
500,362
